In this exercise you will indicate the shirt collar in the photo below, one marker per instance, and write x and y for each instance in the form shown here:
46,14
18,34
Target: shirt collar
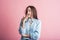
30,19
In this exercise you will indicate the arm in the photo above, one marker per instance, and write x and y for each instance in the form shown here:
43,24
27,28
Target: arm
21,29
36,34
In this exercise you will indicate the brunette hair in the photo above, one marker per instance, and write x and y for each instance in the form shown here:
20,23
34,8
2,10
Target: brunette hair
33,9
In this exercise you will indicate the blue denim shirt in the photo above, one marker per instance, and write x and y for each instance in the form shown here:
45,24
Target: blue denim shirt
34,30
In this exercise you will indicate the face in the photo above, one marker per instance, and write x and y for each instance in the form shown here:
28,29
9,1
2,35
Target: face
29,13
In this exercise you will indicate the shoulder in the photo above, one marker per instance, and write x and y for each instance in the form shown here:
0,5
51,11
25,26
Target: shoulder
38,23
37,20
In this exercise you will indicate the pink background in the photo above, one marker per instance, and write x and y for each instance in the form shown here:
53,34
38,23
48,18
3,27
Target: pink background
11,11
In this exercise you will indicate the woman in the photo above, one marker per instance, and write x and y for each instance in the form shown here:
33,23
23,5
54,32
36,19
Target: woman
30,26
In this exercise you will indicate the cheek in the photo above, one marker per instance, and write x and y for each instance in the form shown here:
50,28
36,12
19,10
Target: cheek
29,12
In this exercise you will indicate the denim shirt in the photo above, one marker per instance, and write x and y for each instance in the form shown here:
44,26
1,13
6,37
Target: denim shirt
34,30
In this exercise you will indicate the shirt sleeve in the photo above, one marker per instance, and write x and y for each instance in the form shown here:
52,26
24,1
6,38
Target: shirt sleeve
36,34
21,30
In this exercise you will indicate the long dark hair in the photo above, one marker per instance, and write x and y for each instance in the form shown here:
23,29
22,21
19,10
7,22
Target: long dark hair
33,9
